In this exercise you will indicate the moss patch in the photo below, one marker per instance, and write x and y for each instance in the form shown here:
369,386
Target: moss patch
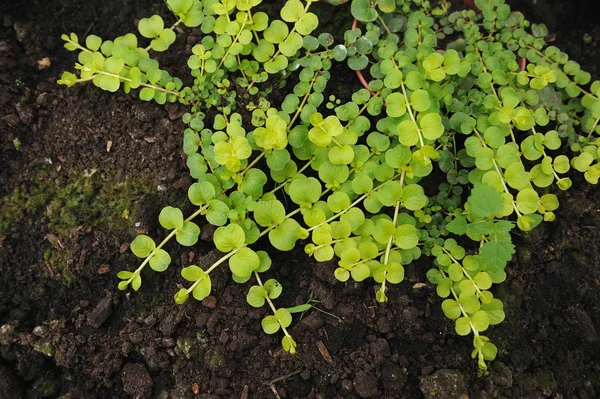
75,201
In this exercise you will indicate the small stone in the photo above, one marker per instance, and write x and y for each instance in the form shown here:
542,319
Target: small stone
324,293
150,320
444,384
101,312
81,339
207,232
170,323
136,380
347,385
313,321
393,379
365,384
210,302
501,375
25,113
124,247
10,386
586,326
103,269
40,331
379,351
324,272
382,324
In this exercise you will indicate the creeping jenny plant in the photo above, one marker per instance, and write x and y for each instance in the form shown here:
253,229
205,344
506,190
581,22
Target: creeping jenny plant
473,99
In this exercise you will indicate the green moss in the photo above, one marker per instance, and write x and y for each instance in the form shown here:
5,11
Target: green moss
217,360
67,203
543,381
44,348
92,202
44,388
60,261
187,347
58,205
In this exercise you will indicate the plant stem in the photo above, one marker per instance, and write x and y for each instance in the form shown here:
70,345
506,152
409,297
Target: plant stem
352,205
412,116
497,168
312,82
164,241
232,43
271,305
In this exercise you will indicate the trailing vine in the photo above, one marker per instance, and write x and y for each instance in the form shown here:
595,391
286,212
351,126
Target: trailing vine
474,98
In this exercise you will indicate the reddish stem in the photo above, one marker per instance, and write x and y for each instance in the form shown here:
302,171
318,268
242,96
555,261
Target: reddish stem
361,78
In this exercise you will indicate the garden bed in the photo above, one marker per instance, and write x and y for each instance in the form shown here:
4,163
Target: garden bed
83,171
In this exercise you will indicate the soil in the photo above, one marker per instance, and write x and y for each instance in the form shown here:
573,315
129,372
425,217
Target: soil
83,171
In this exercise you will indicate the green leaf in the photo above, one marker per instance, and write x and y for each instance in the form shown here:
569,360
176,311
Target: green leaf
395,105
284,237
93,42
270,325
458,225
269,212
202,288
273,288
380,296
484,201
151,27
305,191
180,7
218,213
480,320
420,100
276,32
278,159
201,193
108,83
256,296
431,126
406,236
244,262
125,275
292,11
290,46
408,133
188,234
181,296
413,197
229,237
164,40
288,344
343,155
362,10
136,283
171,218
142,246
528,201
284,317
253,182
462,326
483,280
495,254
193,273
160,260
338,201
451,309
307,24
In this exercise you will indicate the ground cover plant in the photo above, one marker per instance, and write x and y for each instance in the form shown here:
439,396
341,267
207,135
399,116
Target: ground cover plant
467,122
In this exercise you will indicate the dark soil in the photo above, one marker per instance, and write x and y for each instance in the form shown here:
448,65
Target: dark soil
82,171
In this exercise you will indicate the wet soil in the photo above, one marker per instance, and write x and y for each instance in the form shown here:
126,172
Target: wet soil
83,171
